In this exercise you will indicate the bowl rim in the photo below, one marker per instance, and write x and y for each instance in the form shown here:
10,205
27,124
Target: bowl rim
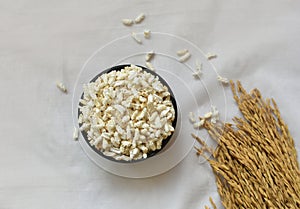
164,141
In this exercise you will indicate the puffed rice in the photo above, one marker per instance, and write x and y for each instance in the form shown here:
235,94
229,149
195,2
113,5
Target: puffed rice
149,56
61,87
147,33
192,117
208,115
149,66
182,52
126,132
215,114
184,57
212,115
198,72
199,124
136,38
139,18
75,134
223,80
127,22
210,56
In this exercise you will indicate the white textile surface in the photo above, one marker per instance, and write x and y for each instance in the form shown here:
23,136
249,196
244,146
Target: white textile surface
257,42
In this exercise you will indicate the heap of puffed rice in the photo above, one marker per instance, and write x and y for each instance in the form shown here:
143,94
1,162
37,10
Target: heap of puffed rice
126,114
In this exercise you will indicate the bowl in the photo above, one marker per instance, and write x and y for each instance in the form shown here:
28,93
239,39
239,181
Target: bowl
164,141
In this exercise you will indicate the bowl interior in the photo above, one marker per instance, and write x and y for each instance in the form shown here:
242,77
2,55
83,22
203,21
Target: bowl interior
164,142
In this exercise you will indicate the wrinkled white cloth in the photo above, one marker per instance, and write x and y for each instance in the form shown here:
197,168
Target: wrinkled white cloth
257,42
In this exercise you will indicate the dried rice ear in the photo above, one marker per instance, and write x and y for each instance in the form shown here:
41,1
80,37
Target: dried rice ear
255,159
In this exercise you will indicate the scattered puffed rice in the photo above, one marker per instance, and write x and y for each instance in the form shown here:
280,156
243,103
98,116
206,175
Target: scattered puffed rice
207,115
215,114
199,66
149,56
139,18
134,36
192,117
149,66
182,52
199,124
127,22
210,56
61,87
75,134
222,79
147,33
198,72
184,57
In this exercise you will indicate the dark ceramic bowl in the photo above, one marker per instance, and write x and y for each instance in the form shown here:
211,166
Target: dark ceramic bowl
164,142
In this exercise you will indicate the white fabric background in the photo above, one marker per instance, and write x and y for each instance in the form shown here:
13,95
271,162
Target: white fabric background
258,42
